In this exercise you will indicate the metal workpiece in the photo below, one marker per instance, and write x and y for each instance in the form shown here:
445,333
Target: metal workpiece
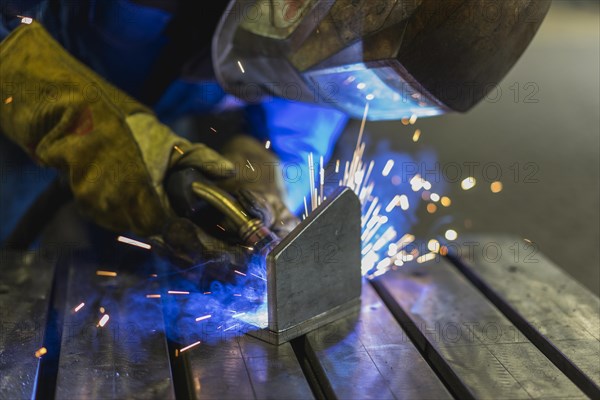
313,274
422,331
124,356
25,286
245,368
474,347
559,315
374,353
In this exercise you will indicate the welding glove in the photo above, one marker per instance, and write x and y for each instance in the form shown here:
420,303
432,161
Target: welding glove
114,150
258,187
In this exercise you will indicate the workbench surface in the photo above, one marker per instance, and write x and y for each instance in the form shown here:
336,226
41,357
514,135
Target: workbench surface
486,324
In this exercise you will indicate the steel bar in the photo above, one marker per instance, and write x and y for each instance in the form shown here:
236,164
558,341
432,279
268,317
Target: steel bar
468,337
114,345
368,356
226,365
25,286
559,315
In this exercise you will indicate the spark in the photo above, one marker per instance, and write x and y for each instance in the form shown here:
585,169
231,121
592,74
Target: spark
8,100
416,135
102,310
250,165
527,241
177,149
190,346
241,67
178,292
392,204
361,86
417,183
496,187
404,202
387,236
40,352
431,208
405,240
305,207
404,121
103,320
451,234
413,119
468,183
311,176
267,144
239,273
213,129
203,318
79,307
433,245
434,197
259,277
446,201
220,227
26,20
388,167
426,257
370,96
337,166
132,242
321,181
153,296
392,249
231,327
153,276
207,293
106,273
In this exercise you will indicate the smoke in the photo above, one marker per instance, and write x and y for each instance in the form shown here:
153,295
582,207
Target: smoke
216,310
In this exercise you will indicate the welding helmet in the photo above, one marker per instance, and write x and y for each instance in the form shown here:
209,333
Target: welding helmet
404,57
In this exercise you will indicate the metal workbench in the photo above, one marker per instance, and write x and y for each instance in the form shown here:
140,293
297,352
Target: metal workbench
494,319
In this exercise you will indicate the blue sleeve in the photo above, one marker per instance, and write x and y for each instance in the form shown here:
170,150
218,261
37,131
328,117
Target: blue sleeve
295,130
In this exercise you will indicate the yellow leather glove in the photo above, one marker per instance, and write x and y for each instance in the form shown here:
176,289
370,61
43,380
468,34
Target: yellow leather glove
114,150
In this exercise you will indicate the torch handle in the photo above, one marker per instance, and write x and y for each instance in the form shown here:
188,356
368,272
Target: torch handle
192,194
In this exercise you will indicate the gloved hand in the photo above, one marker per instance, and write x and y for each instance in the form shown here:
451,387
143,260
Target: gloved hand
114,150
258,183
259,189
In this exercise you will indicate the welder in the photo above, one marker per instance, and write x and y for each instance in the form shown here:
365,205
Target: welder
91,87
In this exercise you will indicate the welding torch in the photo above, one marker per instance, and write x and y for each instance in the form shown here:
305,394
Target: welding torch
198,199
